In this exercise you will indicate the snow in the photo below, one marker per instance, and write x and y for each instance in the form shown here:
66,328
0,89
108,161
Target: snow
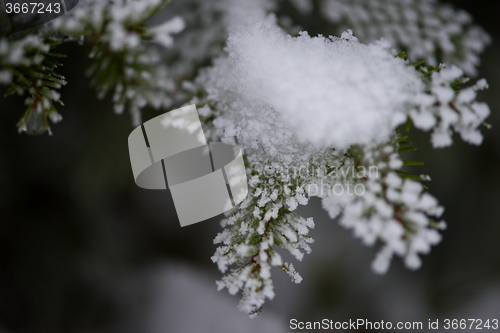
332,92
421,27
306,102
162,34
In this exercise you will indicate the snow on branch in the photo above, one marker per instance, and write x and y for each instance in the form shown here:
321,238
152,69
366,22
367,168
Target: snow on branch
313,114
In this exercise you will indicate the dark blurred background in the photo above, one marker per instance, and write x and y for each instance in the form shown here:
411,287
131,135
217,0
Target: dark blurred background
83,249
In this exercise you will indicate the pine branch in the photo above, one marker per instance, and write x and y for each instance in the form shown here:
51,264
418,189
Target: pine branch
125,53
253,230
123,59
427,30
29,67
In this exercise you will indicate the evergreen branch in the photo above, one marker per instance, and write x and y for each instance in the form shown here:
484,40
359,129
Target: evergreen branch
28,66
